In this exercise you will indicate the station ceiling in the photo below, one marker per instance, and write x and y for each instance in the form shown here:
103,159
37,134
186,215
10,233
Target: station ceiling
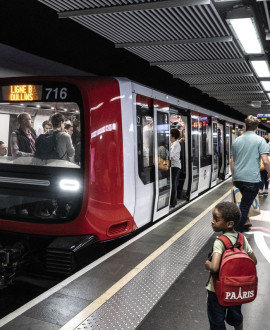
185,44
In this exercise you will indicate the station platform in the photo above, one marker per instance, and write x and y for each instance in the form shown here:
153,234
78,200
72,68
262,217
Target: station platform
156,280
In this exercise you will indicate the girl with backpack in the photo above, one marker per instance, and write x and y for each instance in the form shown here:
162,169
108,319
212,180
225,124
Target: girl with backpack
232,249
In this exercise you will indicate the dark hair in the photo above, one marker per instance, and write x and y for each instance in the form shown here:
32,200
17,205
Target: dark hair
175,133
266,139
22,116
56,119
1,142
251,123
46,122
67,126
229,212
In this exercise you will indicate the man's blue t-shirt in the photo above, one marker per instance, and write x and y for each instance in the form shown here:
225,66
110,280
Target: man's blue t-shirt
246,151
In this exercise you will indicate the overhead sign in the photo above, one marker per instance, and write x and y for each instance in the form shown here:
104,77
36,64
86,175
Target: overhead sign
267,115
21,93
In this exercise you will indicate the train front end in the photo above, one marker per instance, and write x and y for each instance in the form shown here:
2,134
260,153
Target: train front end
49,215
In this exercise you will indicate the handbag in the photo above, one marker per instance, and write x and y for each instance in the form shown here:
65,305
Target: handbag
255,206
163,164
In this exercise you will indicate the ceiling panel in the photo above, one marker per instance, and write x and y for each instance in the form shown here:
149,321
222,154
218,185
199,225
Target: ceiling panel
188,39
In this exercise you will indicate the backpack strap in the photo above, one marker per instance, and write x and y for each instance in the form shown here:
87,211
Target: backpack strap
240,240
226,242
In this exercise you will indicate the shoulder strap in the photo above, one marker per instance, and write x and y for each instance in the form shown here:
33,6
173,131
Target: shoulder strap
226,242
240,239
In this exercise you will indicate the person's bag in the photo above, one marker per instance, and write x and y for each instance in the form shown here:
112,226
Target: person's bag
237,280
255,206
46,146
163,164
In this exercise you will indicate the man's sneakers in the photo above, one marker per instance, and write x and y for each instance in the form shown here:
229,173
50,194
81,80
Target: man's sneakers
263,193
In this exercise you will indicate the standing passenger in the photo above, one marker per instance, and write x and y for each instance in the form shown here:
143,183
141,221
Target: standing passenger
225,218
23,139
47,126
263,191
240,132
69,129
176,165
64,144
247,150
76,139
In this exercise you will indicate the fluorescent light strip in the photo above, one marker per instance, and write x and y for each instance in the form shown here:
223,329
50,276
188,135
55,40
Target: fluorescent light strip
266,85
247,34
261,68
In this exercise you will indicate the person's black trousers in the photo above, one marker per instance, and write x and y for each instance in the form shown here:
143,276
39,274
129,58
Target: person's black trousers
175,180
249,191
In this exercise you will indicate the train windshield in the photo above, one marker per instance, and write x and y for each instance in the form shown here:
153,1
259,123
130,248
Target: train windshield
40,151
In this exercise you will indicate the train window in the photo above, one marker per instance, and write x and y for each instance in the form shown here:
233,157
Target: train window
145,139
40,134
206,147
23,126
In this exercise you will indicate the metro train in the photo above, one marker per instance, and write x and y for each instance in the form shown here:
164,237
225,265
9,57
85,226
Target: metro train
118,185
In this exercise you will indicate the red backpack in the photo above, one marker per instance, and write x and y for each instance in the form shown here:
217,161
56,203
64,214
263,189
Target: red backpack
237,280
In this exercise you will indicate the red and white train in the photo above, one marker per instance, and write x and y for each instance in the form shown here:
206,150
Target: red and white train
119,184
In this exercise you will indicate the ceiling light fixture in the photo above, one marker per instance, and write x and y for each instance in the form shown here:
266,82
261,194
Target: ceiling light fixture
261,68
255,104
265,85
242,23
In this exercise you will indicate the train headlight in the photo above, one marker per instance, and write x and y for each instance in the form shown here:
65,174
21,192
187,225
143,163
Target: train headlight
71,185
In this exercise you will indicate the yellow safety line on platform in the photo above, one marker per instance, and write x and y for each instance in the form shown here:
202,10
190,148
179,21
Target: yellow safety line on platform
90,309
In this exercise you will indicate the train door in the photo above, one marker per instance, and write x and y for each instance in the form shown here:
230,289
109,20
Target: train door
221,150
227,150
214,176
179,120
162,159
195,156
232,138
205,139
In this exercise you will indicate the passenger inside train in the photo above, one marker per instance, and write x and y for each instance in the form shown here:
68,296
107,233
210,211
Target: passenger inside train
23,123
3,149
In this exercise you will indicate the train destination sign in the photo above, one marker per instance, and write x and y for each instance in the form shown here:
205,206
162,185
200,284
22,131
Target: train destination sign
265,118
266,115
21,93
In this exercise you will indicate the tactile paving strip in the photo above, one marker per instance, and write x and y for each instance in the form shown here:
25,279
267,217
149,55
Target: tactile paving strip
128,307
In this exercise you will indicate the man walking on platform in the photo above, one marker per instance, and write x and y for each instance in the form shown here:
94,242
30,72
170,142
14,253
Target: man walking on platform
247,151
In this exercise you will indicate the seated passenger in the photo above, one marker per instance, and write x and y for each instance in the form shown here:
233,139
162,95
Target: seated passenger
22,140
